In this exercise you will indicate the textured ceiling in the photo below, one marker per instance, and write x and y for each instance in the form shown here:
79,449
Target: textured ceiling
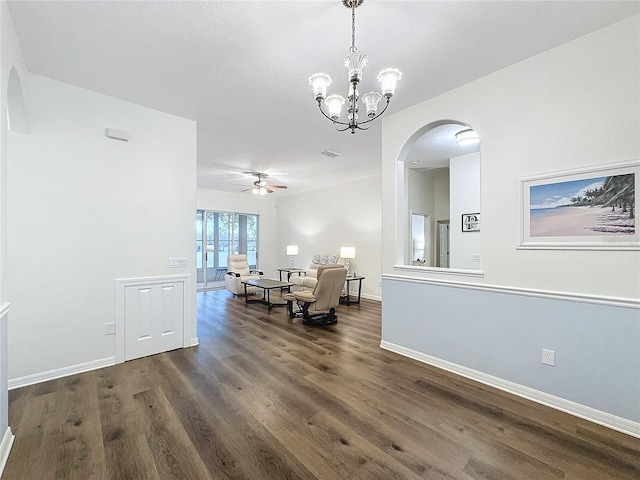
240,68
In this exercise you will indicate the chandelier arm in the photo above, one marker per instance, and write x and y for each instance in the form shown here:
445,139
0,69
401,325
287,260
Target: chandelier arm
373,118
363,123
341,129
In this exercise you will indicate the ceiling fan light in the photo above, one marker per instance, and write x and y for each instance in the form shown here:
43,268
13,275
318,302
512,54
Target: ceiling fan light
467,137
355,62
371,101
334,104
388,79
255,190
320,82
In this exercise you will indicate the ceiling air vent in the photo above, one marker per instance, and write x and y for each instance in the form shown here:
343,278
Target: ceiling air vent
330,153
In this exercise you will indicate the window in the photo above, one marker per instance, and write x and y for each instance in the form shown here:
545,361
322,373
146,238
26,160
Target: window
220,234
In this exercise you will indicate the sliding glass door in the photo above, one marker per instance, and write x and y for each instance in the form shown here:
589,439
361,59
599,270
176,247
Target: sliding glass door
220,234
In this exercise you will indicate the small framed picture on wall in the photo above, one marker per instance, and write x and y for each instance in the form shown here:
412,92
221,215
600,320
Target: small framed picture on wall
470,222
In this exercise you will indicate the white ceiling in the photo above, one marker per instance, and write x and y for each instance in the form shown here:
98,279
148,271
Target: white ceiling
240,68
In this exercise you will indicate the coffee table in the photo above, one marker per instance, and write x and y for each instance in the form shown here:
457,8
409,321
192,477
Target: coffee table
266,285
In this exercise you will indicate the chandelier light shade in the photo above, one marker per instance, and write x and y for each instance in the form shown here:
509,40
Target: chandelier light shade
334,105
355,61
320,82
467,137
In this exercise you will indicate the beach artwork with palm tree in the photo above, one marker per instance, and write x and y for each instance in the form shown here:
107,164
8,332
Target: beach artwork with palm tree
598,206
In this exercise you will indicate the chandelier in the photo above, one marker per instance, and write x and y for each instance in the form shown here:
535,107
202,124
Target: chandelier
355,62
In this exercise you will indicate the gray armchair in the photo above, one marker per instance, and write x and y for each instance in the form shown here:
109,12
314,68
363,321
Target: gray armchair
238,271
318,307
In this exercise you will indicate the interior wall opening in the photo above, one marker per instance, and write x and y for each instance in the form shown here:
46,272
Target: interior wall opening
442,184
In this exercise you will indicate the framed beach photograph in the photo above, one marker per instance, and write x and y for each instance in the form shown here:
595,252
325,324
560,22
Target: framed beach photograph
589,209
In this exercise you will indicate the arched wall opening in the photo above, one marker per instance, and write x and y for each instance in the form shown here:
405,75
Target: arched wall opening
439,188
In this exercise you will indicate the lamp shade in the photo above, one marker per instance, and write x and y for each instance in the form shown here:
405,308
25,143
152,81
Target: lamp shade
292,250
347,252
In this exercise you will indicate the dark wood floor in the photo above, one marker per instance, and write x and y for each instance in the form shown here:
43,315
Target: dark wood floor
264,397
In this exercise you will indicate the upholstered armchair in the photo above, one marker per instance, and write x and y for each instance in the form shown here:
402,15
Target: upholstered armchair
307,282
318,307
238,271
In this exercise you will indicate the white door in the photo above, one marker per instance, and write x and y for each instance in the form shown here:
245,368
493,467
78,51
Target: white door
153,318
443,244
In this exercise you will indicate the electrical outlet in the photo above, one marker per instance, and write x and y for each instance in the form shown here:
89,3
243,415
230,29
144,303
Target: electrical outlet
109,328
475,258
548,357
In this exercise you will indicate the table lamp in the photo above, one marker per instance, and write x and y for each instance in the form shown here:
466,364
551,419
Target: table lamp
347,253
292,251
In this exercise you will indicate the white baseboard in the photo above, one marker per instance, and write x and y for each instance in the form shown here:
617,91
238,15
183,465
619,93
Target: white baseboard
194,342
60,372
371,297
591,414
5,448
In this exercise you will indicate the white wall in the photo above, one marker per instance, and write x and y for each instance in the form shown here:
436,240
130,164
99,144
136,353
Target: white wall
264,205
323,220
464,179
428,192
574,106
421,200
529,117
10,60
84,210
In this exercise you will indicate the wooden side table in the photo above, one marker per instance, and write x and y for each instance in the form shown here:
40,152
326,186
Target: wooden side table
347,298
290,271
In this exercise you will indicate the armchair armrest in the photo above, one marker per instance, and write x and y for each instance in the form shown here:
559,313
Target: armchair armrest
232,274
259,272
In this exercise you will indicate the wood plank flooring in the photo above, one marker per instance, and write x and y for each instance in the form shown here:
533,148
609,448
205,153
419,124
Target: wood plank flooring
265,397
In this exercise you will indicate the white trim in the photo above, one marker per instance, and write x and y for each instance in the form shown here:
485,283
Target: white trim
530,292
151,280
371,297
122,283
5,447
194,342
440,270
61,372
591,414
4,309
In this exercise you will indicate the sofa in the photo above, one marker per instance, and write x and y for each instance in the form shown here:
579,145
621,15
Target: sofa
308,281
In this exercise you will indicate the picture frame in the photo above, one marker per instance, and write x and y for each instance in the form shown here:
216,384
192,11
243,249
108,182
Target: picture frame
471,222
583,209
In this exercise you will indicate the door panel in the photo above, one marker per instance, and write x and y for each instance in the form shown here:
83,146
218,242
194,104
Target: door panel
153,319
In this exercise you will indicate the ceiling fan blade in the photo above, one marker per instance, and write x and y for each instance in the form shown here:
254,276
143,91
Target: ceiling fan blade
246,189
277,186
268,189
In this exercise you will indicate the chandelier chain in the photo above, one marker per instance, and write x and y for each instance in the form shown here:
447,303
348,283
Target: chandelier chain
353,27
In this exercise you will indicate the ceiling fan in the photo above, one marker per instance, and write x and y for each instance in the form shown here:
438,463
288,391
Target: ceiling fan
260,186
